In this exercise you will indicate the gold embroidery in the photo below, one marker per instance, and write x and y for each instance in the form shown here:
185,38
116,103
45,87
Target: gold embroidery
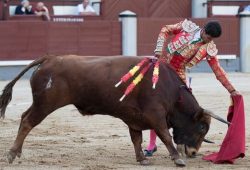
201,53
211,49
189,50
179,43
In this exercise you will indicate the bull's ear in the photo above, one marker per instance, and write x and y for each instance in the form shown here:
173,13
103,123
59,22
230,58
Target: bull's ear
199,114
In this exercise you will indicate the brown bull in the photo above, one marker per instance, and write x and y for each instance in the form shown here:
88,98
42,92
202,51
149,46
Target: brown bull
88,83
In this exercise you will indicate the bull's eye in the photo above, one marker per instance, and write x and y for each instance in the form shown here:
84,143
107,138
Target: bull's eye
203,128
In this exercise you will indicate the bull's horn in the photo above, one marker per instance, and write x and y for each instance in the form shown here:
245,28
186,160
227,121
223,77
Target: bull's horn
216,117
207,141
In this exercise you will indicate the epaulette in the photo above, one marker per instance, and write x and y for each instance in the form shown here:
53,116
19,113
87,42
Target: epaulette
211,49
189,26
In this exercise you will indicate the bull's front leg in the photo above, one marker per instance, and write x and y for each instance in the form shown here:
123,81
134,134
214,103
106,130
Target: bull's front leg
166,138
136,137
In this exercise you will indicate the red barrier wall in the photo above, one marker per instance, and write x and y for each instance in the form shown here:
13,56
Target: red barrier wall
32,39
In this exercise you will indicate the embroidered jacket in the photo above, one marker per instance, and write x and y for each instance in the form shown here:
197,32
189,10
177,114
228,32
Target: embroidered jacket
184,50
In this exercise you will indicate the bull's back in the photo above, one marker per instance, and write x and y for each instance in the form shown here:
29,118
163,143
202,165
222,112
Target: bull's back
76,67
82,80
96,70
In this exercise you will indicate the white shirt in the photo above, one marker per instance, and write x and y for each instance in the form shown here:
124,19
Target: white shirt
196,37
87,9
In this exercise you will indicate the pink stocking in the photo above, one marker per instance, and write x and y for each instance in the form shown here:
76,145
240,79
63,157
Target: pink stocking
152,142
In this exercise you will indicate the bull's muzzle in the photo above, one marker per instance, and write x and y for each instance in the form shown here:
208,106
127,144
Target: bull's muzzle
190,151
185,150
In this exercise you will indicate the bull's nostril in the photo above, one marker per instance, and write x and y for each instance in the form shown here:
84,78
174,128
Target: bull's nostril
193,153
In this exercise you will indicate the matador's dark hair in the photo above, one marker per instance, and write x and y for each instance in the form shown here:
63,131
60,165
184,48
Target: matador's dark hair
213,29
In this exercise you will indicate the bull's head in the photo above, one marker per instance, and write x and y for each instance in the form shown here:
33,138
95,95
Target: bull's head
189,130
190,123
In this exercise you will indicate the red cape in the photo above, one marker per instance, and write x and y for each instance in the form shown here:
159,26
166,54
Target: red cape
233,145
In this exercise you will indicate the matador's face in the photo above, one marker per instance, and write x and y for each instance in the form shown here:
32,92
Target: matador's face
205,37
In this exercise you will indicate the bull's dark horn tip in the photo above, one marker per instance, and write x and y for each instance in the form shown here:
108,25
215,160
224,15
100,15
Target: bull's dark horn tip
208,141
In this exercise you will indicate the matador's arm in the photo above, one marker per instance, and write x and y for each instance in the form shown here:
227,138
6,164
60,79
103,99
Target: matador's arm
165,31
220,73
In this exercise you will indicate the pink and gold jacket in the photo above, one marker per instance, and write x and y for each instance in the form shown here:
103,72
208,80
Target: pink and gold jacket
184,51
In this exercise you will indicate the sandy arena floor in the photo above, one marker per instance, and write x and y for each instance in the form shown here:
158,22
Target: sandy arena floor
67,140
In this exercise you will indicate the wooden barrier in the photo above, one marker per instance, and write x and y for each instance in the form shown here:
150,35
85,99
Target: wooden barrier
31,39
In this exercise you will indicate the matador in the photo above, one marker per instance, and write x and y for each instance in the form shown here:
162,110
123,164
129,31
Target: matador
189,45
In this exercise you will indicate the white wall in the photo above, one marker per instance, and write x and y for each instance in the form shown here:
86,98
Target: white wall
198,9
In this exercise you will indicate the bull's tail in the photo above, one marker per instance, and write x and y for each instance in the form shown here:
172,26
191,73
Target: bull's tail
6,96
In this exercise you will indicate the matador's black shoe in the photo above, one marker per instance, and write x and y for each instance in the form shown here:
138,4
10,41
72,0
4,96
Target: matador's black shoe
150,152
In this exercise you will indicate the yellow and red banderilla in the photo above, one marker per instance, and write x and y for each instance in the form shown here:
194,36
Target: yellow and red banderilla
132,71
132,85
135,81
155,77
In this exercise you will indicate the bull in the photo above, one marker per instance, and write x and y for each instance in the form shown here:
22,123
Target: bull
88,84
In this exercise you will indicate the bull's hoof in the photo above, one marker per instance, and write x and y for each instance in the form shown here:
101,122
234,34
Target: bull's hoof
145,162
19,154
11,156
179,162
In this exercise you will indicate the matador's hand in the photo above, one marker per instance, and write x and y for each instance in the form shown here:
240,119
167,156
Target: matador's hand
235,93
157,55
